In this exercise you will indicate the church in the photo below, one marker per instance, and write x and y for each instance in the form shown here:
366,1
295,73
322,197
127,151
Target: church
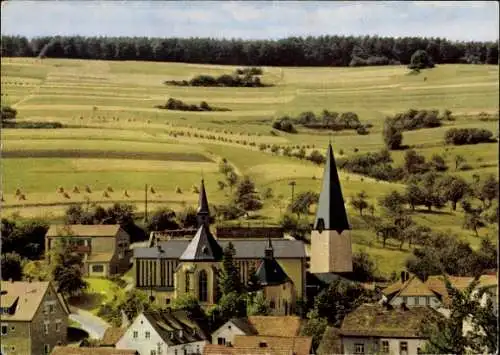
179,266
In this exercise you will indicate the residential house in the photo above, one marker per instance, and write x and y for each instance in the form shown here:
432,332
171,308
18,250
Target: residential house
377,328
33,317
411,291
105,248
212,349
287,326
178,266
69,350
164,333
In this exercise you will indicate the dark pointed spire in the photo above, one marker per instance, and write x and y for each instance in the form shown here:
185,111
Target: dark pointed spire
203,211
270,271
203,201
331,213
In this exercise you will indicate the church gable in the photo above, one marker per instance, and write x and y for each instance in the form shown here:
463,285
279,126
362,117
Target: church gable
203,247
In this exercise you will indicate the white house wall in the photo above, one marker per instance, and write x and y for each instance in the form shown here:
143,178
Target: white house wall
228,332
191,348
141,344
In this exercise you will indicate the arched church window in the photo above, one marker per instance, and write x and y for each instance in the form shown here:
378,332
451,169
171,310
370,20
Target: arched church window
187,281
320,225
203,286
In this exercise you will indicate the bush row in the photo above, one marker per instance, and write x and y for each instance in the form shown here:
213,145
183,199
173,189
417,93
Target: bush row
461,136
178,105
224,80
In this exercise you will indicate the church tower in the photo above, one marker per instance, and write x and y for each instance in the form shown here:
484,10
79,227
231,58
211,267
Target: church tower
196,273
331,249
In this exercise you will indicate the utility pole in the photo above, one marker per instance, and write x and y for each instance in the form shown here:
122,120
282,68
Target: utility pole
145,203
292,184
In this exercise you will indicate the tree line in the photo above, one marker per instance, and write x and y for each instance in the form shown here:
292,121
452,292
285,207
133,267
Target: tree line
291,51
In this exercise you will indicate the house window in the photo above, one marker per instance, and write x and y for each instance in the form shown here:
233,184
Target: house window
12,328
419,351
187,282
135,334
417,301
403,348
385,346
203,286
52,308
167,300
46,328
175,351
272,304
359,348
98,268
405,300
427,301
147,335
152,352
46,349
221,341
262,344
58,325
4,330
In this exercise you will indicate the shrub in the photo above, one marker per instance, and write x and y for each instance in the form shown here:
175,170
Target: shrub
461,136
284,125
105,194
109,188
87,189
178,190
420,60
362,130
76,190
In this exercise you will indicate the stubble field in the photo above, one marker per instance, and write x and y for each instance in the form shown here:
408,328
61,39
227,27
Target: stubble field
116,141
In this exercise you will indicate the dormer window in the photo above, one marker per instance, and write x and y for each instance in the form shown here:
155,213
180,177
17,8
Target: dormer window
204,250
180,333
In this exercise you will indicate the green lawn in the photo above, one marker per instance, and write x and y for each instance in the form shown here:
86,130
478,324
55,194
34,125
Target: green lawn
117,138
99,291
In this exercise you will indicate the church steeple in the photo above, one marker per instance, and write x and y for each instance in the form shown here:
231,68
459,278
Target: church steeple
331,213
269,252
203,211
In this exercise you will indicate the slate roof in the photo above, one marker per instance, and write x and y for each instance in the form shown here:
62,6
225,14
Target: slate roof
245,249
69,350
82,230
298,345
203,201
269,271
331,206
203,247
25,298
168,325
376,320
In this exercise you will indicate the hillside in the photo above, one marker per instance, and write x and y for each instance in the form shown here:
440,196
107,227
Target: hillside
116,140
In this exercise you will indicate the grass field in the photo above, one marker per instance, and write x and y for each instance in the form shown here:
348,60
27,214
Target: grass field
117,138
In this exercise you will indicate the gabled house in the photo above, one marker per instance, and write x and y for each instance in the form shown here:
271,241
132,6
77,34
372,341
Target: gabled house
411,291
287,326
105,248
164,333
376,328
33,317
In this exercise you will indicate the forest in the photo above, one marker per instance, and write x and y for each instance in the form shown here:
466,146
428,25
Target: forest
338,51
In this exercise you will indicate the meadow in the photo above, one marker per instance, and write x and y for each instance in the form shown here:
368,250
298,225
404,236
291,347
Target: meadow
115,139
